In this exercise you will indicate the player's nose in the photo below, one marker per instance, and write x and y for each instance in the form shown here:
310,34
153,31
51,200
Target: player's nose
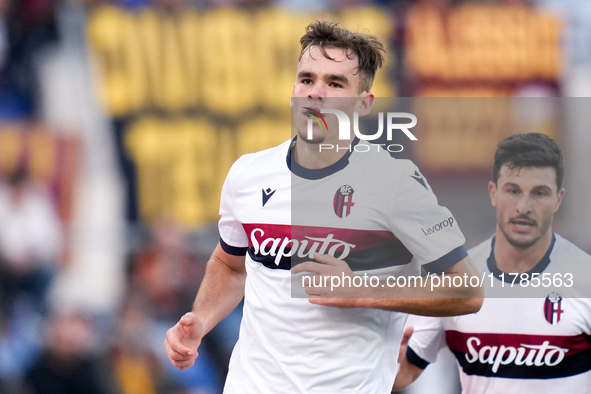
524,205
317,92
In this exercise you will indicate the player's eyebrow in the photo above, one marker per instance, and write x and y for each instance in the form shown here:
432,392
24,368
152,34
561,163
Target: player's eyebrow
511,184
535,188
328,77
543,188
306,74
337,78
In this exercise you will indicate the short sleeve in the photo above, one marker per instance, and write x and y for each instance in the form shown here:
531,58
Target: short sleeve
426,341
428,230
233,238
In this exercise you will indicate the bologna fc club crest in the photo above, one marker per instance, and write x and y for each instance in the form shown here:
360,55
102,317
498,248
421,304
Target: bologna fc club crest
343,201
553,308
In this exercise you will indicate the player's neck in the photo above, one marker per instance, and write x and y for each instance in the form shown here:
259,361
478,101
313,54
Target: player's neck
513,259
309,155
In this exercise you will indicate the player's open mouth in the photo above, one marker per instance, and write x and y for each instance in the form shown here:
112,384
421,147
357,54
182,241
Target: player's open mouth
311,111
523,224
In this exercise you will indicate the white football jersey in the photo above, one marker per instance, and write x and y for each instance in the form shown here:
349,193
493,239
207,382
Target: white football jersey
517,345
375,212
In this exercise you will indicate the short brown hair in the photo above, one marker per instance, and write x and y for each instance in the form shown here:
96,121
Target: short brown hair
367,48
529,150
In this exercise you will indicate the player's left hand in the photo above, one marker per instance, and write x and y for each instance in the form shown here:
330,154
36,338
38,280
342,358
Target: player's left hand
337,281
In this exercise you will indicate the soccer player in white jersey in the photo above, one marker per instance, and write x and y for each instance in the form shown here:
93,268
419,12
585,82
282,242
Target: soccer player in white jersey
518,345
323,344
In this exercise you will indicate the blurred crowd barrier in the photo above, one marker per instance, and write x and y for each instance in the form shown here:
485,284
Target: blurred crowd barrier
225,61
483,50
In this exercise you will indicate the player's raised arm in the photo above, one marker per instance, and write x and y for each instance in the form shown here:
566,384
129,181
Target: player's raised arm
221,291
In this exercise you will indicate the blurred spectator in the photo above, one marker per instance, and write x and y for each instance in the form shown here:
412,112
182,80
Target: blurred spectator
70,362
134,3
26,26
224,3
164,275
136,368
20,343
173,6
30,242
166,272
347,4
305,6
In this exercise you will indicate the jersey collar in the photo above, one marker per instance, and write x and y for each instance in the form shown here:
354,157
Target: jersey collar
538,268
306,173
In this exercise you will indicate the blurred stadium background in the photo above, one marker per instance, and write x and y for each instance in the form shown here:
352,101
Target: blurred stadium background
119,120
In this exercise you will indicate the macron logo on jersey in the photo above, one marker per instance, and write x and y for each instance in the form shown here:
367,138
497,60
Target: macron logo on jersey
267,195
419,178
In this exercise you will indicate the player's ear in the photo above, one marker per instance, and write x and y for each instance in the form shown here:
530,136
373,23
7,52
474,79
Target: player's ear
560,195
365,103
492,191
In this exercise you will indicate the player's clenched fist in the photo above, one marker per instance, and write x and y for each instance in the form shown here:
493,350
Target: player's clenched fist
182,341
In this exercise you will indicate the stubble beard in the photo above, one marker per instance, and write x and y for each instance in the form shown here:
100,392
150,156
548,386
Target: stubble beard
525,243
